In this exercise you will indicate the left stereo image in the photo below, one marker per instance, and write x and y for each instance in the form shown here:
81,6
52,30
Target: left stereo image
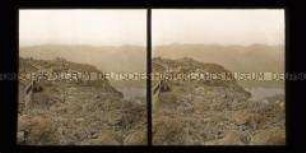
82,77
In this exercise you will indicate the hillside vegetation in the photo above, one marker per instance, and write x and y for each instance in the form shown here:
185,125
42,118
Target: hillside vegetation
70,112
212,112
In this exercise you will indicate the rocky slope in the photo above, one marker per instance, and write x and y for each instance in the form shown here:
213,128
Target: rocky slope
75,112
211,112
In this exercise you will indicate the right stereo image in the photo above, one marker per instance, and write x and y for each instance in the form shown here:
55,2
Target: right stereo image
218,77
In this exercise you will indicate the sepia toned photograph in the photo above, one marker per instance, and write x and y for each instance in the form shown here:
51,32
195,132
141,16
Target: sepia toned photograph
218,77
79,75
154,75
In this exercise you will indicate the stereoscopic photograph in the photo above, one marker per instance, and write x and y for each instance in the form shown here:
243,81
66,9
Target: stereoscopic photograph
218,77
79,77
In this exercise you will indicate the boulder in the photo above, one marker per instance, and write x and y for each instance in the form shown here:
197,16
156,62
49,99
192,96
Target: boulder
269,137
105,138
136,138
230,138
38,128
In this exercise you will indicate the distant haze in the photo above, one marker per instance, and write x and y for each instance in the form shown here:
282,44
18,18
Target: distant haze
82,26
218,26
105,58
252,58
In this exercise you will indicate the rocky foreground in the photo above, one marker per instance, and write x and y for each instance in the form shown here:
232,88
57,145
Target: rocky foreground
212,112
197,112
76,112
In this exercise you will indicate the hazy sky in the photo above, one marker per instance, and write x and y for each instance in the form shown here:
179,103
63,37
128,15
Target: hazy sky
92,27
122,26
218,26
